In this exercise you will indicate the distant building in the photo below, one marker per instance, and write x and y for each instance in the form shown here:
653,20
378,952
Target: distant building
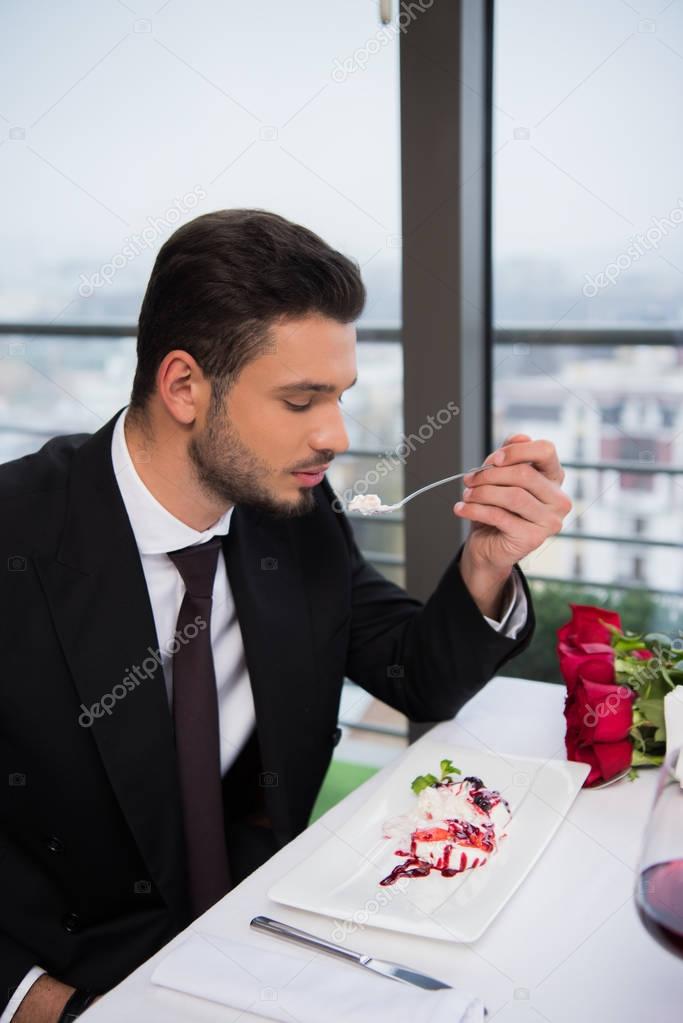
619,405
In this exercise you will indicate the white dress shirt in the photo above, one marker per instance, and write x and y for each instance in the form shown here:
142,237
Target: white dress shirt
156,532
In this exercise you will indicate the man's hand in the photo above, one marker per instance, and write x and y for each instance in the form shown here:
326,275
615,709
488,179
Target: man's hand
514,507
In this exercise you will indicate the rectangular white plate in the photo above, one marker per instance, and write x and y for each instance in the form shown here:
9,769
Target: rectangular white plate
341,879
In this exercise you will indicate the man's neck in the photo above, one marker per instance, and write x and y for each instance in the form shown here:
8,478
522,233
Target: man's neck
161,461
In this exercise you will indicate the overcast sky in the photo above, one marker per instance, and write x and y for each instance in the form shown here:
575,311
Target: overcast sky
599,86
111,111
192,96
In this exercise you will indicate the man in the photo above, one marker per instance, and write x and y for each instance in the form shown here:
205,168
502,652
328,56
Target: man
183,600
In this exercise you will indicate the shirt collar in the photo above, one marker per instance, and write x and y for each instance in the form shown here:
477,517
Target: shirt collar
156,531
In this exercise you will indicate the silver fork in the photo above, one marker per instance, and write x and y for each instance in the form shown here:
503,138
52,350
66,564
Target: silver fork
395,507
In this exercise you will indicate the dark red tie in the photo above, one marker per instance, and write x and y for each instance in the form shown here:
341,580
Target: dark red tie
195,718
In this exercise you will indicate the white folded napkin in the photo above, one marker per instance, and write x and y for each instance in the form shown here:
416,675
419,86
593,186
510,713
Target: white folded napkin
673,723
314,986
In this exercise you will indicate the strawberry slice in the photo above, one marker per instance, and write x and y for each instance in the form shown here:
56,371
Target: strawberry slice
431,835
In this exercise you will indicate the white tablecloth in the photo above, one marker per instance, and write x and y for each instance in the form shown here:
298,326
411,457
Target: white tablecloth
567,948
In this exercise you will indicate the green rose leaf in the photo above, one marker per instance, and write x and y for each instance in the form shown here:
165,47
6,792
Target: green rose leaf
653,710
642,759
659,638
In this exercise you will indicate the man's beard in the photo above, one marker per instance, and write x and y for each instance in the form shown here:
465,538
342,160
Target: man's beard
226,469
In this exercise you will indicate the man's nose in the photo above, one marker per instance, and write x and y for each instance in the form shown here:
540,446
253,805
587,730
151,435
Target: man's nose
331,434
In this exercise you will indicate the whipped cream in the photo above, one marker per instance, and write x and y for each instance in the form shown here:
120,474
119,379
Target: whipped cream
367,504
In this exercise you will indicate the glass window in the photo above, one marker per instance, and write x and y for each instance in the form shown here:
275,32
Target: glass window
257,105
588,205
587,264
54,385
120,126
608,502
117,128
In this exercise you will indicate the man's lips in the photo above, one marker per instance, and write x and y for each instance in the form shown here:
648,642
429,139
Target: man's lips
310,478
313,472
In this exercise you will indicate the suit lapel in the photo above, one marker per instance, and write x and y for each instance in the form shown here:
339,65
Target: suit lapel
102,613
272,607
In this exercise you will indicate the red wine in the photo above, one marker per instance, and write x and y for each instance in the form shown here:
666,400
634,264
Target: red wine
659,900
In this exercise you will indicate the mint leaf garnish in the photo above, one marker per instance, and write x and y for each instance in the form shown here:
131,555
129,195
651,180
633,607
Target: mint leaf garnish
424,781
448,768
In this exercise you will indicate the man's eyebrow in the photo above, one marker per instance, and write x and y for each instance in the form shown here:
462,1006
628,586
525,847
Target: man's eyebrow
310,385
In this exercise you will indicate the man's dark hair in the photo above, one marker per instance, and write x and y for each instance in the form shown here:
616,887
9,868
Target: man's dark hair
221,281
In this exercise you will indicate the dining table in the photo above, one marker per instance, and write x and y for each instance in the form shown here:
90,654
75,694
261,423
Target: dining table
567,947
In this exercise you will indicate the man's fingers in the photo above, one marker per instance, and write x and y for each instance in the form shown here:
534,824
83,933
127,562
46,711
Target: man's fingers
515,437
517,500
526,477
541,453
512,526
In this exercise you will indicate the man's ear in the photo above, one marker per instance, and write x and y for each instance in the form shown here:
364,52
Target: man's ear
182,387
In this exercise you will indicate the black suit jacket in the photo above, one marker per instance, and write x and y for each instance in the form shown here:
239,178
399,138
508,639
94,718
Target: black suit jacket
92,863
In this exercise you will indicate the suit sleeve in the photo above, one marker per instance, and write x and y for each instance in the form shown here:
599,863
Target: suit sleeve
425,660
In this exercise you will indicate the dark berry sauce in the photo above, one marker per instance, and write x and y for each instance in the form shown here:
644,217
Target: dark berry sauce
461,832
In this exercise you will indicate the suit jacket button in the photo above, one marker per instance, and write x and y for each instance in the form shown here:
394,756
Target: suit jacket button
336,736
55,844
72,923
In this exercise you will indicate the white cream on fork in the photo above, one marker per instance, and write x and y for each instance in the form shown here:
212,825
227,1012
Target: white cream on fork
370,504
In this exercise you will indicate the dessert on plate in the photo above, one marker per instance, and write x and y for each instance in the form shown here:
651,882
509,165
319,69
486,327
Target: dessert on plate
454,826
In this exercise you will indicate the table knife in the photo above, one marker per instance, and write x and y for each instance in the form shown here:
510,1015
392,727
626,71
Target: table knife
392,970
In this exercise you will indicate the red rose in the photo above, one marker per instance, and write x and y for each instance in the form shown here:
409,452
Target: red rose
595,664
606,759
583,639
599,713
586,624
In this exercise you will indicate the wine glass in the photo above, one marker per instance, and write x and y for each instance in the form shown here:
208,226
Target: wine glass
659,885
